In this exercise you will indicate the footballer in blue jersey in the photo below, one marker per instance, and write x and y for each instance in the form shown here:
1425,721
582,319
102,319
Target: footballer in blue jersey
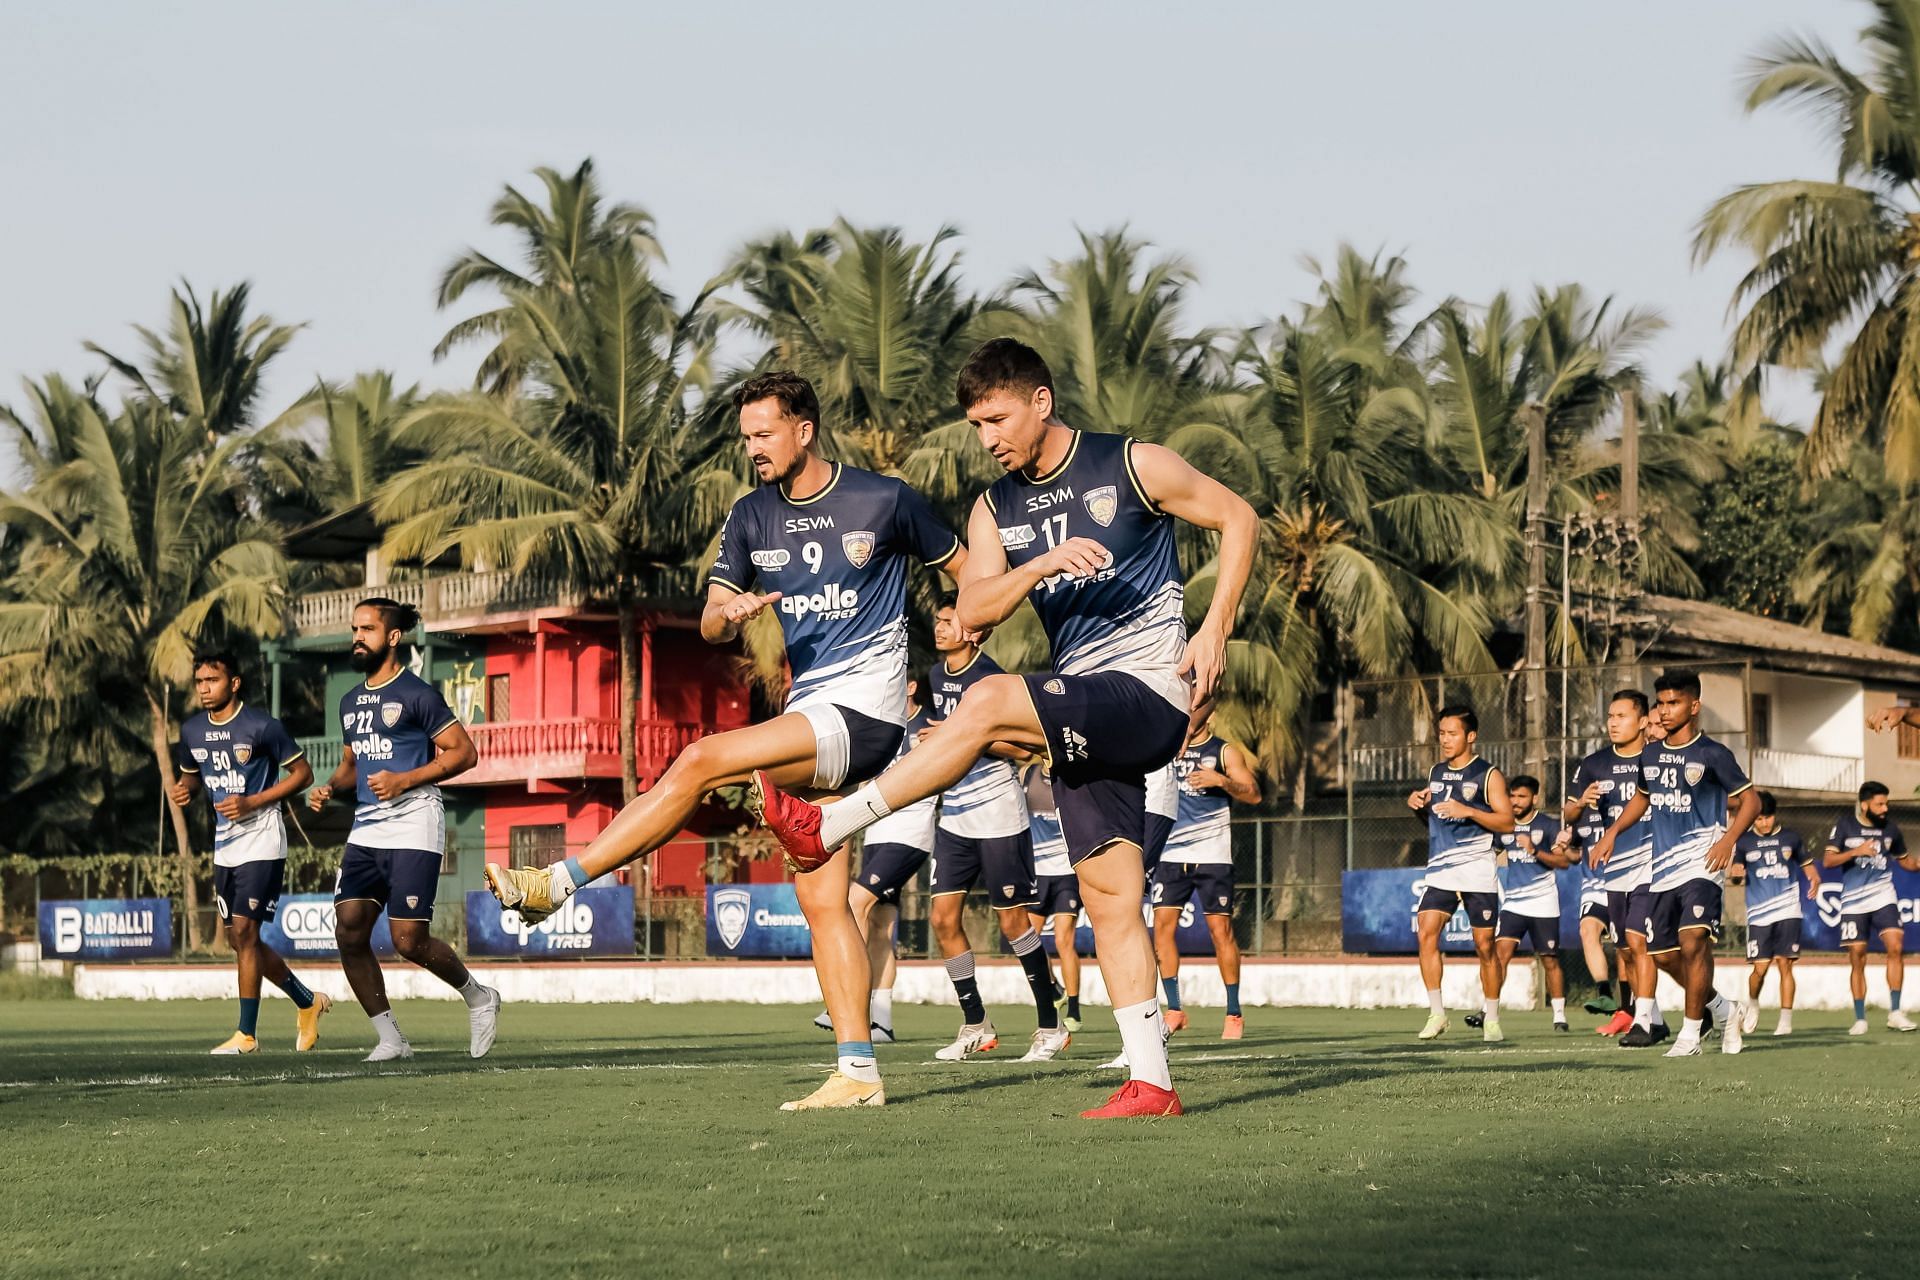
1080,527
248,766
1463,806
401,742
1765,860
1530,897
1700,803
1212,774
1059,907
824,549
1863,846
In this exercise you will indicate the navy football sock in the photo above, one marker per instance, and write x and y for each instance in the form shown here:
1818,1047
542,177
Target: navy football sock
249,1015
960,970
296,991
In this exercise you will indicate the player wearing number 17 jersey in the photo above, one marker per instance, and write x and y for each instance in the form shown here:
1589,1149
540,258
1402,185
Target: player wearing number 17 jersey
826,547
1082,526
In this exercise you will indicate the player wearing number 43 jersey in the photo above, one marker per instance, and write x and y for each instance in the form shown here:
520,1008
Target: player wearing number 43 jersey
235,754
1864,845
826,548
1082,526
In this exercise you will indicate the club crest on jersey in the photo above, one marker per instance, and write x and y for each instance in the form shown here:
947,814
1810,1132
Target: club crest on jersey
859,547
1006,891
1052,686
1698,911
1102,503
390,714
1693,774
1468,790
730,908
242,752
413,900
253,904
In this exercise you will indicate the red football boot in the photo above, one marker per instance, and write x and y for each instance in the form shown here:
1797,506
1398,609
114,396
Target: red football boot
1136,1098
793,821
1616,1025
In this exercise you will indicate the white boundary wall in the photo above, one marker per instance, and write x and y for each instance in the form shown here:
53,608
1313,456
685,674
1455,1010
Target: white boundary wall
1339,984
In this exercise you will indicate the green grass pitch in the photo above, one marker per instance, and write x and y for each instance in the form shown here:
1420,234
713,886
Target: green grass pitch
644,1141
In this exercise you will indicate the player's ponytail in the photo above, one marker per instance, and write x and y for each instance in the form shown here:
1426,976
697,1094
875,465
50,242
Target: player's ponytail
394,615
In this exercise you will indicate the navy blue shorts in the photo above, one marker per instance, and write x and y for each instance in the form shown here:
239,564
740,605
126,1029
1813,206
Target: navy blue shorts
1598,911
1002,865
1105,733
1059,896
1777,941
1862,927
1631,911
885,869
1176,882
1694,905
251,890
1483,909
1541,933
402,881
1159,827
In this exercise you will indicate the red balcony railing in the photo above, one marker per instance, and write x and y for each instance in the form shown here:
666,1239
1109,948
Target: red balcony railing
571,747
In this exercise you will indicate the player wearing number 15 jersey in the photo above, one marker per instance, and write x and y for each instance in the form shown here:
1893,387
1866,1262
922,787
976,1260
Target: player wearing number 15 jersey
1765,859
826,548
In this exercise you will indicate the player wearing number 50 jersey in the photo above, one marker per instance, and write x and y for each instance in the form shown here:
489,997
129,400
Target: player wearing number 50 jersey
826,547
1864,845
235,753
1081,526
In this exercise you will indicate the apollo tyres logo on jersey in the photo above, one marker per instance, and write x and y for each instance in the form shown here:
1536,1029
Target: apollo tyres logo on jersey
1102,503
730,910
859,547
832,601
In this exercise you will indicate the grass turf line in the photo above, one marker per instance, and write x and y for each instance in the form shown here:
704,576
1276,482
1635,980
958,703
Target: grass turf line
604,1139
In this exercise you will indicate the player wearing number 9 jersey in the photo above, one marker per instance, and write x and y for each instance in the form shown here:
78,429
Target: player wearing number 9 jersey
825,547
1082,527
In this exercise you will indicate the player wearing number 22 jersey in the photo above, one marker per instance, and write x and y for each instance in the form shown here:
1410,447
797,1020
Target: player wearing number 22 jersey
1081,527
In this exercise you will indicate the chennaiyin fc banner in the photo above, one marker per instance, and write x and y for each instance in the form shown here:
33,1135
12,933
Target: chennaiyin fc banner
762,921
106,929
593,922
303,927
1377,913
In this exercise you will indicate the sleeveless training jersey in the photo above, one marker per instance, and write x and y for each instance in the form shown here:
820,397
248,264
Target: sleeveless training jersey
1866,883
1460,852
1593,880
1773,891
1163,792
1043,821
839,560
1127,617
988,802
1532,888
391,728
913,825
1201,834
1631,865
1687,792
240,756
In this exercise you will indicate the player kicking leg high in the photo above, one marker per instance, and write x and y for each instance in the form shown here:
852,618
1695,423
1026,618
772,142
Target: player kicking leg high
402,740
826,546
1081,525
235,754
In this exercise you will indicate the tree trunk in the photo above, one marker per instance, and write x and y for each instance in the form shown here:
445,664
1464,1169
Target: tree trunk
163,760
629,692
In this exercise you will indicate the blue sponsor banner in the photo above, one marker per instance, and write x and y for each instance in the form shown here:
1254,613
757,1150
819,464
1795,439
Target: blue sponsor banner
1377,913
1190,936
593,922
757,920
303,926
1820,925
106,929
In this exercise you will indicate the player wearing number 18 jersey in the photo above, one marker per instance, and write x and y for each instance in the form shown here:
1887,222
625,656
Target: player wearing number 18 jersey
1864,845
1082,526
826,547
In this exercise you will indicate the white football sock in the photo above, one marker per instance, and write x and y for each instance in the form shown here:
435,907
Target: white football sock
1140,1037
1436,1003
1490,1008
1560,1009
1659,1018
1719,1007
1644,1011
473,993
844,819
1690,1028
1786,1020
882,1003
861,1067
387,1029
560,881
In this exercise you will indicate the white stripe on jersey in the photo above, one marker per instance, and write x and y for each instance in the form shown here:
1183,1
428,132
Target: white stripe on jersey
416,820
1468,867
1687,861
1148,644
987,803
1163,791
872,681
258,837
1208,842
1630,868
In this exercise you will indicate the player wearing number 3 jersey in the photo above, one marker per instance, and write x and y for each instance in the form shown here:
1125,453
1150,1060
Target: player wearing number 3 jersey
825,547
1082,526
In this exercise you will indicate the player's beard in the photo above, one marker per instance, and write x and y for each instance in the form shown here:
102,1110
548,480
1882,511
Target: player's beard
365,660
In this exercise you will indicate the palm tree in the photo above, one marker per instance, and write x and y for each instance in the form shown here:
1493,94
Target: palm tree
132,556
1839,256
587,462
360,448
1861,573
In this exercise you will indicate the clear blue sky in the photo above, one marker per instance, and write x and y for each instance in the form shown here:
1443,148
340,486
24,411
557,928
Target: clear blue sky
337,155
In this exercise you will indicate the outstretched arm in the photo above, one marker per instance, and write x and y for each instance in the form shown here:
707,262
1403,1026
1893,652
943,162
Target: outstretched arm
1171,483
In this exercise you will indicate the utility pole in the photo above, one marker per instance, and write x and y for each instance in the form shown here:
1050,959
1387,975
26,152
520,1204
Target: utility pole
1535,421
